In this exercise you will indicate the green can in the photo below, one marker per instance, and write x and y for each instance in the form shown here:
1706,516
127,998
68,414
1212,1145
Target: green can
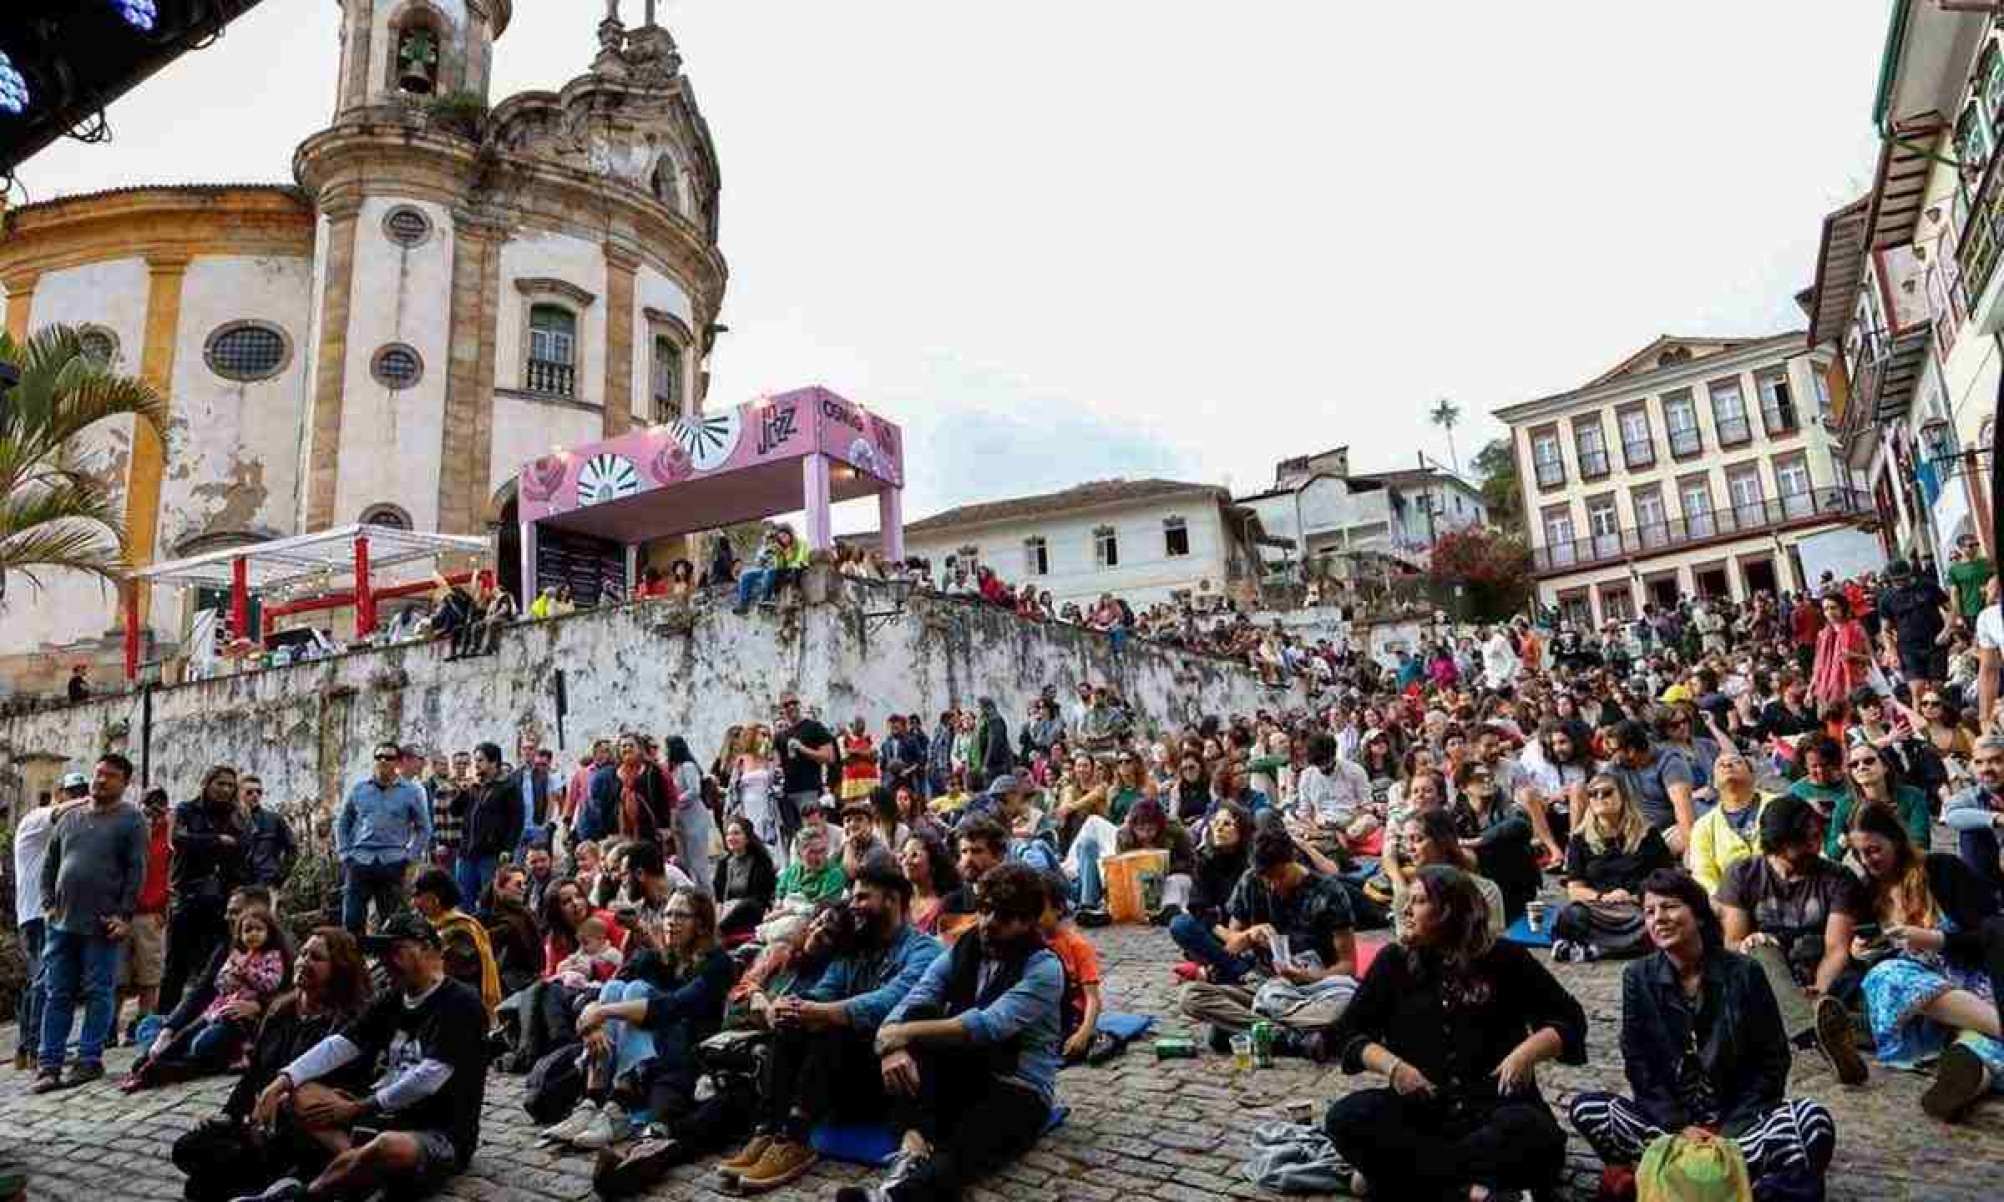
1262,1041
1175,1049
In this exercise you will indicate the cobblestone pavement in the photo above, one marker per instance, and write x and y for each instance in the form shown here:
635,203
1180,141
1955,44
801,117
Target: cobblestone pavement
1173,1131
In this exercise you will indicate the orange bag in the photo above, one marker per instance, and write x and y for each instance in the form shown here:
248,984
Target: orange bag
1134,883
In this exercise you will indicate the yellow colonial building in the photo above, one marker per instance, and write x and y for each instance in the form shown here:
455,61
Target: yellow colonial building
449,287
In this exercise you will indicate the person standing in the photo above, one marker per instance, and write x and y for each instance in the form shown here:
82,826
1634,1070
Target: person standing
90,883
492,810
1805,622
805,751
270,850
31,847
541,793
1920,615
145,954
208,840
382,826
1967,578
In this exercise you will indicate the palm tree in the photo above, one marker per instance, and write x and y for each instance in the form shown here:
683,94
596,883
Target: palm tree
55,510
1445,415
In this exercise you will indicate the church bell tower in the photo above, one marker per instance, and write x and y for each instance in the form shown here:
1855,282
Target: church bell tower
411,51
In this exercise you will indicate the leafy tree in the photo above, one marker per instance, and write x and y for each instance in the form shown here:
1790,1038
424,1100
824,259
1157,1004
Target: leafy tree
1481,573
55,510
1497,463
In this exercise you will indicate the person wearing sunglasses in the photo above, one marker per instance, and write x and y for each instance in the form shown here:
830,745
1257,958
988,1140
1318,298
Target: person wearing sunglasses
382,826
1875,781
1730,831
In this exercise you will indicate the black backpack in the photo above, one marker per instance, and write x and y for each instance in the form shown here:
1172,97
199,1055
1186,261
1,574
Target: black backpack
556,1085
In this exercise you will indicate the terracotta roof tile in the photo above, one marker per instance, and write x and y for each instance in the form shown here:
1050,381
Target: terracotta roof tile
1095,492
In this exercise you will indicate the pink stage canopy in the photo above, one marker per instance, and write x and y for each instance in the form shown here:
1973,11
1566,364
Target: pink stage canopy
798,450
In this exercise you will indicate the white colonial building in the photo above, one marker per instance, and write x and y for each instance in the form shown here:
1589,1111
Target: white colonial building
1336,519
1141,540
448,288
1695,467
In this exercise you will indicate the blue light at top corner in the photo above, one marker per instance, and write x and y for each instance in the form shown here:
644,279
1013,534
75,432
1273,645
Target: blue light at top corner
140,14
13,88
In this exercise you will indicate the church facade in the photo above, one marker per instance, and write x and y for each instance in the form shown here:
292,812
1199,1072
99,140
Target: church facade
449,288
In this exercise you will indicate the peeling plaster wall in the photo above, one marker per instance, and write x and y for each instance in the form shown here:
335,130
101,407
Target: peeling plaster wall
666,669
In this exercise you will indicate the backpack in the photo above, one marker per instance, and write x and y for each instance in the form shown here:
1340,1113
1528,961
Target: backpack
556,1085
1675,1169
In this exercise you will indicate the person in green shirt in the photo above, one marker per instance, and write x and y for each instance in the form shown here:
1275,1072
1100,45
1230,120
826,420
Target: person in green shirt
1872,783
1967,576
812,877
1822,784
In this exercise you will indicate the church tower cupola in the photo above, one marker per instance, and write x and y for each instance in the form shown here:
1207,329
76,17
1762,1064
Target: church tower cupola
400,51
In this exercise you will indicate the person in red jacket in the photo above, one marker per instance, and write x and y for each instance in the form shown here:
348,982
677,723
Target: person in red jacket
1805,622
146,948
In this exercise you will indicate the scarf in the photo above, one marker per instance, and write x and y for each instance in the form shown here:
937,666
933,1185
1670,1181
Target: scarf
1835,676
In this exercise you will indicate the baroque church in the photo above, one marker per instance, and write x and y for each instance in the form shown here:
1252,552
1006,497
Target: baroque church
451,285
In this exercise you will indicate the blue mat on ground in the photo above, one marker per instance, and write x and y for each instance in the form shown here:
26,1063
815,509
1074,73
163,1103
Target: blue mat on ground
1520,932
873,1144
1126,1026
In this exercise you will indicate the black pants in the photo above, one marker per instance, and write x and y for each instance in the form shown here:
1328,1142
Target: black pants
1419,1149
975,1122
223,1159
821,1074
740,916
1979,850
548,1022
195,929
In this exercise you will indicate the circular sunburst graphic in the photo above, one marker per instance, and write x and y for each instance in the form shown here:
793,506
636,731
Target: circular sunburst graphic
709,438
605,477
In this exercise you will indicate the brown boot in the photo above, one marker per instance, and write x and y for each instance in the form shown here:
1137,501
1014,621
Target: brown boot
784,1162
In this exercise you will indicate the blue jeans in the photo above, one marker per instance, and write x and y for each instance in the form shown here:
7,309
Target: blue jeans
1201,944
382,884
755,586
1089,890
632,1043
471,874
77,967
33,990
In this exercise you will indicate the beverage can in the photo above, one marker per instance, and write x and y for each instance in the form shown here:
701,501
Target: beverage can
1262,1044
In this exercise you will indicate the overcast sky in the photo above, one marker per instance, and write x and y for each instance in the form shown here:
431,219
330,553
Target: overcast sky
1062,240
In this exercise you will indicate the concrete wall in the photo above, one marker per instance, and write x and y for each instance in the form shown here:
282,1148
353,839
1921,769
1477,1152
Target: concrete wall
308,729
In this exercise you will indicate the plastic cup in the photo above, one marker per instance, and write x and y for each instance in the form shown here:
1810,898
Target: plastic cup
1242,1051
1534,914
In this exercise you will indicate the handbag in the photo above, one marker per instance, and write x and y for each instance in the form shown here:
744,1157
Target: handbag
1675,1169
1613,929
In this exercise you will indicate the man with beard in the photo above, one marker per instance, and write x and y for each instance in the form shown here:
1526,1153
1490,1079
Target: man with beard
823,1059
208,843
492,810
806,749
970,1057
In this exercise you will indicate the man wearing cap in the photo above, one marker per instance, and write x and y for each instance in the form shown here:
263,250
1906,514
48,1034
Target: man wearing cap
382,826
420,1122
31,847
1920,615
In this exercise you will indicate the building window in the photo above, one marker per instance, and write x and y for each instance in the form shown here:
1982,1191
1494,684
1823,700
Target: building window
98,345
1559,535
389,517
1546,457
1617,603
553,348
407,227
1638,445
1036,556
1106,547
1822,383
667,380
1694,493
1576,609
1652,527
1791,482
1680,421
247,351
1748,497
1175,537
1590,447
1777,406
1972,141
1729,413
397,367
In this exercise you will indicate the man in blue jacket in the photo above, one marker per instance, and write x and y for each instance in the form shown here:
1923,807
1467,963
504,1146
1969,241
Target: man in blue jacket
382,826
824,1059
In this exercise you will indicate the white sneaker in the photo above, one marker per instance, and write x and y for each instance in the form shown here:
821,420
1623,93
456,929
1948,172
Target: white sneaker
610,1127
570,1128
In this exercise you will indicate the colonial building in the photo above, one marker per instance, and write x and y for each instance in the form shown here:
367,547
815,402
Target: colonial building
1695,467
1334,519
449,287
1141,540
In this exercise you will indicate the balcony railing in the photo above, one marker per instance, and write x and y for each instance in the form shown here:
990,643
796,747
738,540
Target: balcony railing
1983,234
1752,518
1638,454
1593,465
1686,442
552,379
1733,431
1551,473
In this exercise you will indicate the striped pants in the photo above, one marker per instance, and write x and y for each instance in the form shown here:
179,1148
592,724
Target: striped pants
1798,1135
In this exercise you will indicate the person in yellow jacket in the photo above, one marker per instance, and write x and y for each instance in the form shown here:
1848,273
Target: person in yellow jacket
1730,830
469,957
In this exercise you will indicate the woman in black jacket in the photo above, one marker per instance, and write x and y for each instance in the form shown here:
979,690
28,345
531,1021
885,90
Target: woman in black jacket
1613,849
1499,833
745,880
1702,1040
1458,1023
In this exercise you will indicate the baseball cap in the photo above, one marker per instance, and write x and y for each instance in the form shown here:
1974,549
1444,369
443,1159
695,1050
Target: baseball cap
405,925
75,780
1899,569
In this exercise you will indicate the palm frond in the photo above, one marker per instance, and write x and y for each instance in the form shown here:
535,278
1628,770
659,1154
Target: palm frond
60,506
80,546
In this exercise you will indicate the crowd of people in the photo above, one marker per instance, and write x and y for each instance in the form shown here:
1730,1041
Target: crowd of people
877,919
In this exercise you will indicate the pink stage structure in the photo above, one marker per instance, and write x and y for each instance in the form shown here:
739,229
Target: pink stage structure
800,450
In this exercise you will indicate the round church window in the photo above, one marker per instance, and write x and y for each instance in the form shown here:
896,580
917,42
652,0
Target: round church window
407,227
397,367
248,350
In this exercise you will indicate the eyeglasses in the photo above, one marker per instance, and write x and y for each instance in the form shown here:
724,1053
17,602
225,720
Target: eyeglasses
1927,701
1603,791
1864,763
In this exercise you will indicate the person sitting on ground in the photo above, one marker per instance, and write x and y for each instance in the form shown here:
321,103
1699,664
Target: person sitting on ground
253,972
823,1051
860,837
1429,837
1612,850
929,866
1794,913
980,844
1458,1023
1079,1027
1296,926
1977,813
420,1123
225,1156
469,957
970,1056
1660,778
1875,781
1148,828
1498,833
1730,831
595,961
1221,861
640,1036
1934,995
812,880
170,1057
745,881
1705,1054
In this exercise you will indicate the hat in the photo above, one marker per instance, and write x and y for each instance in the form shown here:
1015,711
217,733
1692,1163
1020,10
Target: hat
1003,785
405,925
75,780
1899,569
